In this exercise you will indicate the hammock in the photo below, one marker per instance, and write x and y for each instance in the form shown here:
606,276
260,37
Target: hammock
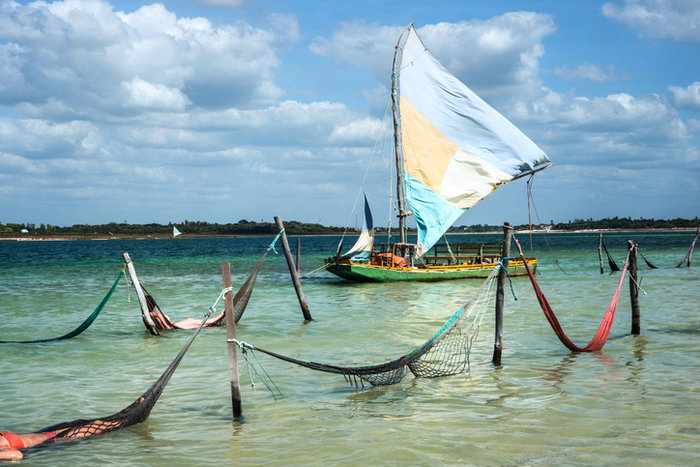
135,413
162,322
603,332
611,262
157,320
648,263
689,255
83,326
445,353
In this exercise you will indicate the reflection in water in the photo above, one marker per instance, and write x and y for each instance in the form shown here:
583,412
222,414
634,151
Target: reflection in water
556,375
637,368
634,403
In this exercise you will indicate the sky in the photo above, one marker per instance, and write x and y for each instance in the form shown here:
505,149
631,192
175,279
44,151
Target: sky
221,110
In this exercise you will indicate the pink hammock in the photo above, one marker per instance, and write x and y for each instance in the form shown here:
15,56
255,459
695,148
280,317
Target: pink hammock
603,332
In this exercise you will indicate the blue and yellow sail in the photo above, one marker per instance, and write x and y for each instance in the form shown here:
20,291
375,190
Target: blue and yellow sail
456,148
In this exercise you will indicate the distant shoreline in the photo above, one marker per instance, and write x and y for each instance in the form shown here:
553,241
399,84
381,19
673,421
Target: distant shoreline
101,237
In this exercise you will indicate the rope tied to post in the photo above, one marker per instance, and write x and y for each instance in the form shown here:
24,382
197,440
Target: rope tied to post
213,306
255,369
274,241
504,266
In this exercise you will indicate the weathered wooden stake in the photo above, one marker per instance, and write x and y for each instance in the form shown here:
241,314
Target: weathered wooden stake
634,288
500,295
297,260
234,374
145,312
293,272
600,253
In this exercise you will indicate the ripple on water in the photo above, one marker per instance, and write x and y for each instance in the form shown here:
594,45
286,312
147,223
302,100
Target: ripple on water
637,401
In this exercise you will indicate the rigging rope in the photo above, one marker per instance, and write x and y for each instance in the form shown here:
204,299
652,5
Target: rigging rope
448,247
532,205
529,205
603,332
84,325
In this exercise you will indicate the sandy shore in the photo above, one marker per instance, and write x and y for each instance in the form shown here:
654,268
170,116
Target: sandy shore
50,238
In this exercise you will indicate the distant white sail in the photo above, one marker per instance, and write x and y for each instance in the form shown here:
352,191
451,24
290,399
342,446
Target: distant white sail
456,148
363,246
176,233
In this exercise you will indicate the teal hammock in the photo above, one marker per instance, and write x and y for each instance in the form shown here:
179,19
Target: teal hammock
445,353
84,325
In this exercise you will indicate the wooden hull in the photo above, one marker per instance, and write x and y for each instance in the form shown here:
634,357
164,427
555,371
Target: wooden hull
363,272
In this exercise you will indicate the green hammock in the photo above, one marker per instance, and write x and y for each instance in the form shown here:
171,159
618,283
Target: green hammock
84,325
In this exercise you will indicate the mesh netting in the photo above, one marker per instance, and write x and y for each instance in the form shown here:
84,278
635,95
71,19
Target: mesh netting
444,354
135,413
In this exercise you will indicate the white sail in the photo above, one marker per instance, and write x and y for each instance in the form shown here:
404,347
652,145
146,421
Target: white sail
176,232
456,148
363,246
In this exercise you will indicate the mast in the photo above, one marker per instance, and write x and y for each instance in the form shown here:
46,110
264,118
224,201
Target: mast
398,149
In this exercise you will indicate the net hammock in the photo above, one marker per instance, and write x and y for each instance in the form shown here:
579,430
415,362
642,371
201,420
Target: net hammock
83,326
136,412
157,320
601,336
445,353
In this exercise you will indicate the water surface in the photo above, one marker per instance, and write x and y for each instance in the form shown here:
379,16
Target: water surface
635,402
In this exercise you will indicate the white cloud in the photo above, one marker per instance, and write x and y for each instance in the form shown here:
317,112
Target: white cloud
489,55
38,138
618,130
140,93
688,96
81,53
222,3
589,71
363,132
285,26
673,19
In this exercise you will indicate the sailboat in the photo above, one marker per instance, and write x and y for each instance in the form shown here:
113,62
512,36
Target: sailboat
176,232
451,150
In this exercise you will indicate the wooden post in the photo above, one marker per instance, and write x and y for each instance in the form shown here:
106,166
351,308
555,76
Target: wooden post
145,312
293,272
600,253
500,295
634,288
297,260
234,373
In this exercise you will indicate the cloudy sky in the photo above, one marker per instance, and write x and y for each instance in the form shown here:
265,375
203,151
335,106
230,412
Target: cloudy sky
226,109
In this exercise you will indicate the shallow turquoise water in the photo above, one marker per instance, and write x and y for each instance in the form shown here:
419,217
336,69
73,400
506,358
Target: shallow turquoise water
636,402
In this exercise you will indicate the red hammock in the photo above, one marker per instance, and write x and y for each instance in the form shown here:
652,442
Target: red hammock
601,335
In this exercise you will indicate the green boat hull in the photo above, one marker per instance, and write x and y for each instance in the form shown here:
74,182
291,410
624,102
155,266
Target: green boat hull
366,273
